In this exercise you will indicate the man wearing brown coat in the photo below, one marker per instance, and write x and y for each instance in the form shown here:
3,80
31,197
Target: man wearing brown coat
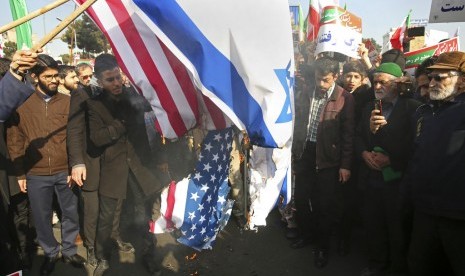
36,141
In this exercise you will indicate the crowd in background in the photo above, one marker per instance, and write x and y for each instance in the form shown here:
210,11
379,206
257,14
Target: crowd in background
372,144
377,145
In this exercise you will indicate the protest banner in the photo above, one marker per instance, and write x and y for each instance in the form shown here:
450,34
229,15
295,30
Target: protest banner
340,31
415,58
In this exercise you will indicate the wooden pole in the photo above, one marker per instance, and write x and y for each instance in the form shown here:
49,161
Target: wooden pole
63,24
32,15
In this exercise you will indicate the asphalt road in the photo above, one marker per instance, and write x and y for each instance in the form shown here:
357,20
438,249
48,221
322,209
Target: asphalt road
249,253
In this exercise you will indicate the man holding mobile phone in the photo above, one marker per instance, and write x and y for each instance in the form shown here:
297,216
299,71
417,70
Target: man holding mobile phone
384,141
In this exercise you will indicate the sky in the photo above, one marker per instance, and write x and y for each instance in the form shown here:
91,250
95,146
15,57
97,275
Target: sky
378,16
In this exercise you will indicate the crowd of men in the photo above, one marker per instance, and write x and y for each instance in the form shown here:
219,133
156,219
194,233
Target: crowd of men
78,149
370,141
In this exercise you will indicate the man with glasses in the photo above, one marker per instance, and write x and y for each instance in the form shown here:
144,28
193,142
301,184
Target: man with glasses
36,140
437,173
84,73
384,140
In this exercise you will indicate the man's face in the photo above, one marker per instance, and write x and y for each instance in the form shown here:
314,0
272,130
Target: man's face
85,75
71,81
384,87
111,81
444,84
352,81
423,85
48,81
324,82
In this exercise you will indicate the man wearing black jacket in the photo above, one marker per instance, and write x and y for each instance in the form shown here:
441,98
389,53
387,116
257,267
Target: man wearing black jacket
384,142
117,125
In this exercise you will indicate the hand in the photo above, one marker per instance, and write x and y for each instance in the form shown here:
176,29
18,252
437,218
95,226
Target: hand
23,60
369,158
381,159
79,174
344,175
376,121
363,53
22,185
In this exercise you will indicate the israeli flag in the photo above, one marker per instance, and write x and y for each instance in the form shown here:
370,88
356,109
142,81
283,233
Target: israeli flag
239,53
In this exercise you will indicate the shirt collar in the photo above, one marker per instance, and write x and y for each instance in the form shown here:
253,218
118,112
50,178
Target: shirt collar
328,93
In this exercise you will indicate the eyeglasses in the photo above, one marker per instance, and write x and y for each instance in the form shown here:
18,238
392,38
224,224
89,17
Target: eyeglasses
440,77
382,83
85,77
50,77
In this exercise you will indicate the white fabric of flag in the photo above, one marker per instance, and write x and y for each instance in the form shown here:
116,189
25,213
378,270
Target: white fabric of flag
242,62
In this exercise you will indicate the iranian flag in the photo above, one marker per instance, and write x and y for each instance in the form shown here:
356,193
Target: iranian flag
397,39
313,17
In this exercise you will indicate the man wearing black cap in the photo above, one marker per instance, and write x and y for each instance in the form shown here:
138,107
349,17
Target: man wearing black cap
383,142
437,175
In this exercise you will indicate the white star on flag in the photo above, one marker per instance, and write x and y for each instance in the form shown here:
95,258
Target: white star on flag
205,205
194,196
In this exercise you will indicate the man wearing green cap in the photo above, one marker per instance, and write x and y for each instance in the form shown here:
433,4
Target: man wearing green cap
437,175
384,141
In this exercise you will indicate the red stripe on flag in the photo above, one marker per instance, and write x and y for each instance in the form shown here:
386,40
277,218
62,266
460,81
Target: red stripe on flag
148,66
215,113
183,78
171,199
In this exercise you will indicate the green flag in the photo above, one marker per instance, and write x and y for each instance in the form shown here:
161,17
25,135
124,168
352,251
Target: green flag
23,31
302,27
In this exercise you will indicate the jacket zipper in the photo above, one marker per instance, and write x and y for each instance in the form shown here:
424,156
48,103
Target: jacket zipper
48,148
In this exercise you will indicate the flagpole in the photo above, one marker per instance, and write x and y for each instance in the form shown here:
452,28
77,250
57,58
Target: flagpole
63,24
32,15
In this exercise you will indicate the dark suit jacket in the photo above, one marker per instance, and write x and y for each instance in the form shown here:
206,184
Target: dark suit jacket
117,124
81,150
396,138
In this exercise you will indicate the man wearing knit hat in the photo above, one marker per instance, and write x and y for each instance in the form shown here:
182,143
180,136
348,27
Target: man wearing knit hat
384,141
437,175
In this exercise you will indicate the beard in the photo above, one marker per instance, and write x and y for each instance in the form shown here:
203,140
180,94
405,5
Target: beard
442,94
49,91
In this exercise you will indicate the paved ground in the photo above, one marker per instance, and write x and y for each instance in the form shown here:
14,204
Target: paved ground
248,253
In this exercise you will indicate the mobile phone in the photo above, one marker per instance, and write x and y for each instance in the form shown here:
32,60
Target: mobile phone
379,106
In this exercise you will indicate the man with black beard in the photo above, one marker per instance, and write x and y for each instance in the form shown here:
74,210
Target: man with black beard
68,81
36,140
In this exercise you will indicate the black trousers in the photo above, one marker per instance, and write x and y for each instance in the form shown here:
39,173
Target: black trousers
20,214
318,198
437,246
90,209
384,225
110,207
8,256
